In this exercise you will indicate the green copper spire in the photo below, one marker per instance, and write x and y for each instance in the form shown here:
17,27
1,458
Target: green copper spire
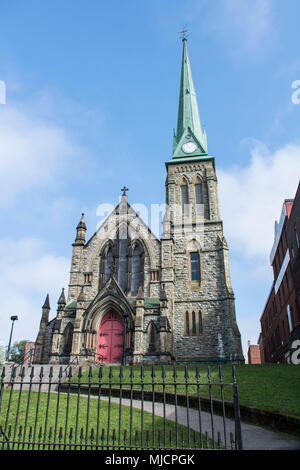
190,139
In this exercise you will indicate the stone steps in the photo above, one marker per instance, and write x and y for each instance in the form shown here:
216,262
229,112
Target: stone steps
32,375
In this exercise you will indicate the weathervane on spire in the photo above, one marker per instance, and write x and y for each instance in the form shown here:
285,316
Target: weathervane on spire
183,33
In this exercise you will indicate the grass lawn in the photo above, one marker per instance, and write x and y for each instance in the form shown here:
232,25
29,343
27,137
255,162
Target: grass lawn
86,423
274,387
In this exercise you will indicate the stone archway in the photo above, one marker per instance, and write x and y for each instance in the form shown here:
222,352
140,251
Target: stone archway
67,340
110,344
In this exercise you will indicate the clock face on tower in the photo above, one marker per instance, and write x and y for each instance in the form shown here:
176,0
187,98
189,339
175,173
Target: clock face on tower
189,147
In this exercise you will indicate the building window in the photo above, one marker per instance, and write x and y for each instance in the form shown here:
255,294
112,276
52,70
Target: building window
288,310
200,322
187,323
109,264
185,199
194,331
123,260
88,278
67,339
153,339
199,197
155,275
135,274
195,267
193,323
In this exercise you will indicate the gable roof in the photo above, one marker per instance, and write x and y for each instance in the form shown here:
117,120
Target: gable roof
119,210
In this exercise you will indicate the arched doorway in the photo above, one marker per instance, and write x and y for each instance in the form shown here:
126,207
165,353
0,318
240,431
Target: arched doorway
110,338
67,340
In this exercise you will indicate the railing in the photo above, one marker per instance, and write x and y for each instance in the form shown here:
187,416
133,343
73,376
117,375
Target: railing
27,356
75,359
131,407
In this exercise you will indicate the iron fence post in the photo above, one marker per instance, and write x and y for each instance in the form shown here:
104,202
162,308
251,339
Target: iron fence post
237,415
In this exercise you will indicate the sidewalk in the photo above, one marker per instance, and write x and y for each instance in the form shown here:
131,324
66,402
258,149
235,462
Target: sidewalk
254,437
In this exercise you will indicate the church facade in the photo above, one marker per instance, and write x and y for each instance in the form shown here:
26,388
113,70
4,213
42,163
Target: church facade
134,298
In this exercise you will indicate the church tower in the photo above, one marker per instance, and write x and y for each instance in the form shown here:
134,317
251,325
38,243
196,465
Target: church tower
134,298
203,319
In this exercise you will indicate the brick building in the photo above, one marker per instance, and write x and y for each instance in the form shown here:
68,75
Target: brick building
134,298
254,356
29,353
281,317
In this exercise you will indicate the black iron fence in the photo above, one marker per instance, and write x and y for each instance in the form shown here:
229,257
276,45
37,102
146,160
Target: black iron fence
138,407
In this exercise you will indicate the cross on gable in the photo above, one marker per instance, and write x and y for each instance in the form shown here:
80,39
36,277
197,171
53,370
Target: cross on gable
124,190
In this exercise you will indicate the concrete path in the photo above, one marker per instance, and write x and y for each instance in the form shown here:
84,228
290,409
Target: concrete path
254,437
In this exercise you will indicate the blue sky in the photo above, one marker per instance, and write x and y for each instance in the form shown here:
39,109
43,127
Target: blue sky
91,102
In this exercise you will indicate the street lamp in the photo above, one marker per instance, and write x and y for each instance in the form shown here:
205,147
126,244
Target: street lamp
13,319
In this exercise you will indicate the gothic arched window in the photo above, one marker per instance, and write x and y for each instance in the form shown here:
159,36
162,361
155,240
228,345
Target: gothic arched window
135,270
199,196
108,263
122,254
127,258
194,330
184,198
187,323
152,338
67,341
195,266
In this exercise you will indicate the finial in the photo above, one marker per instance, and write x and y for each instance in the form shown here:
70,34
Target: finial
81,222
81,295
183,34
62,298
47,303
124,191
163,295
140,294
81,230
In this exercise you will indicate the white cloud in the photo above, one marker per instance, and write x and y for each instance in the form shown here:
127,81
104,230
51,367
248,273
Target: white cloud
251,197
250,20
28,273
32,152
245,25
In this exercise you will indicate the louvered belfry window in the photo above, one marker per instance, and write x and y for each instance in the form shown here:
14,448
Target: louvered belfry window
185,199
199,197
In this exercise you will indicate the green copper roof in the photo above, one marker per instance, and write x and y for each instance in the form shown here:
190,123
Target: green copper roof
149,302
189,128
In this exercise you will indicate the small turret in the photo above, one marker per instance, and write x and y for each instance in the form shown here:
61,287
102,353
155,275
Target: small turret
163,296
81,231
140,295
39,344
62,300
46,305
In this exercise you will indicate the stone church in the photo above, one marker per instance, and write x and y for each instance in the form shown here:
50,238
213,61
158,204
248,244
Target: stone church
134,298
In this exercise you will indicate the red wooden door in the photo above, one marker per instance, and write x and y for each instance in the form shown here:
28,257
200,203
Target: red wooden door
110,338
